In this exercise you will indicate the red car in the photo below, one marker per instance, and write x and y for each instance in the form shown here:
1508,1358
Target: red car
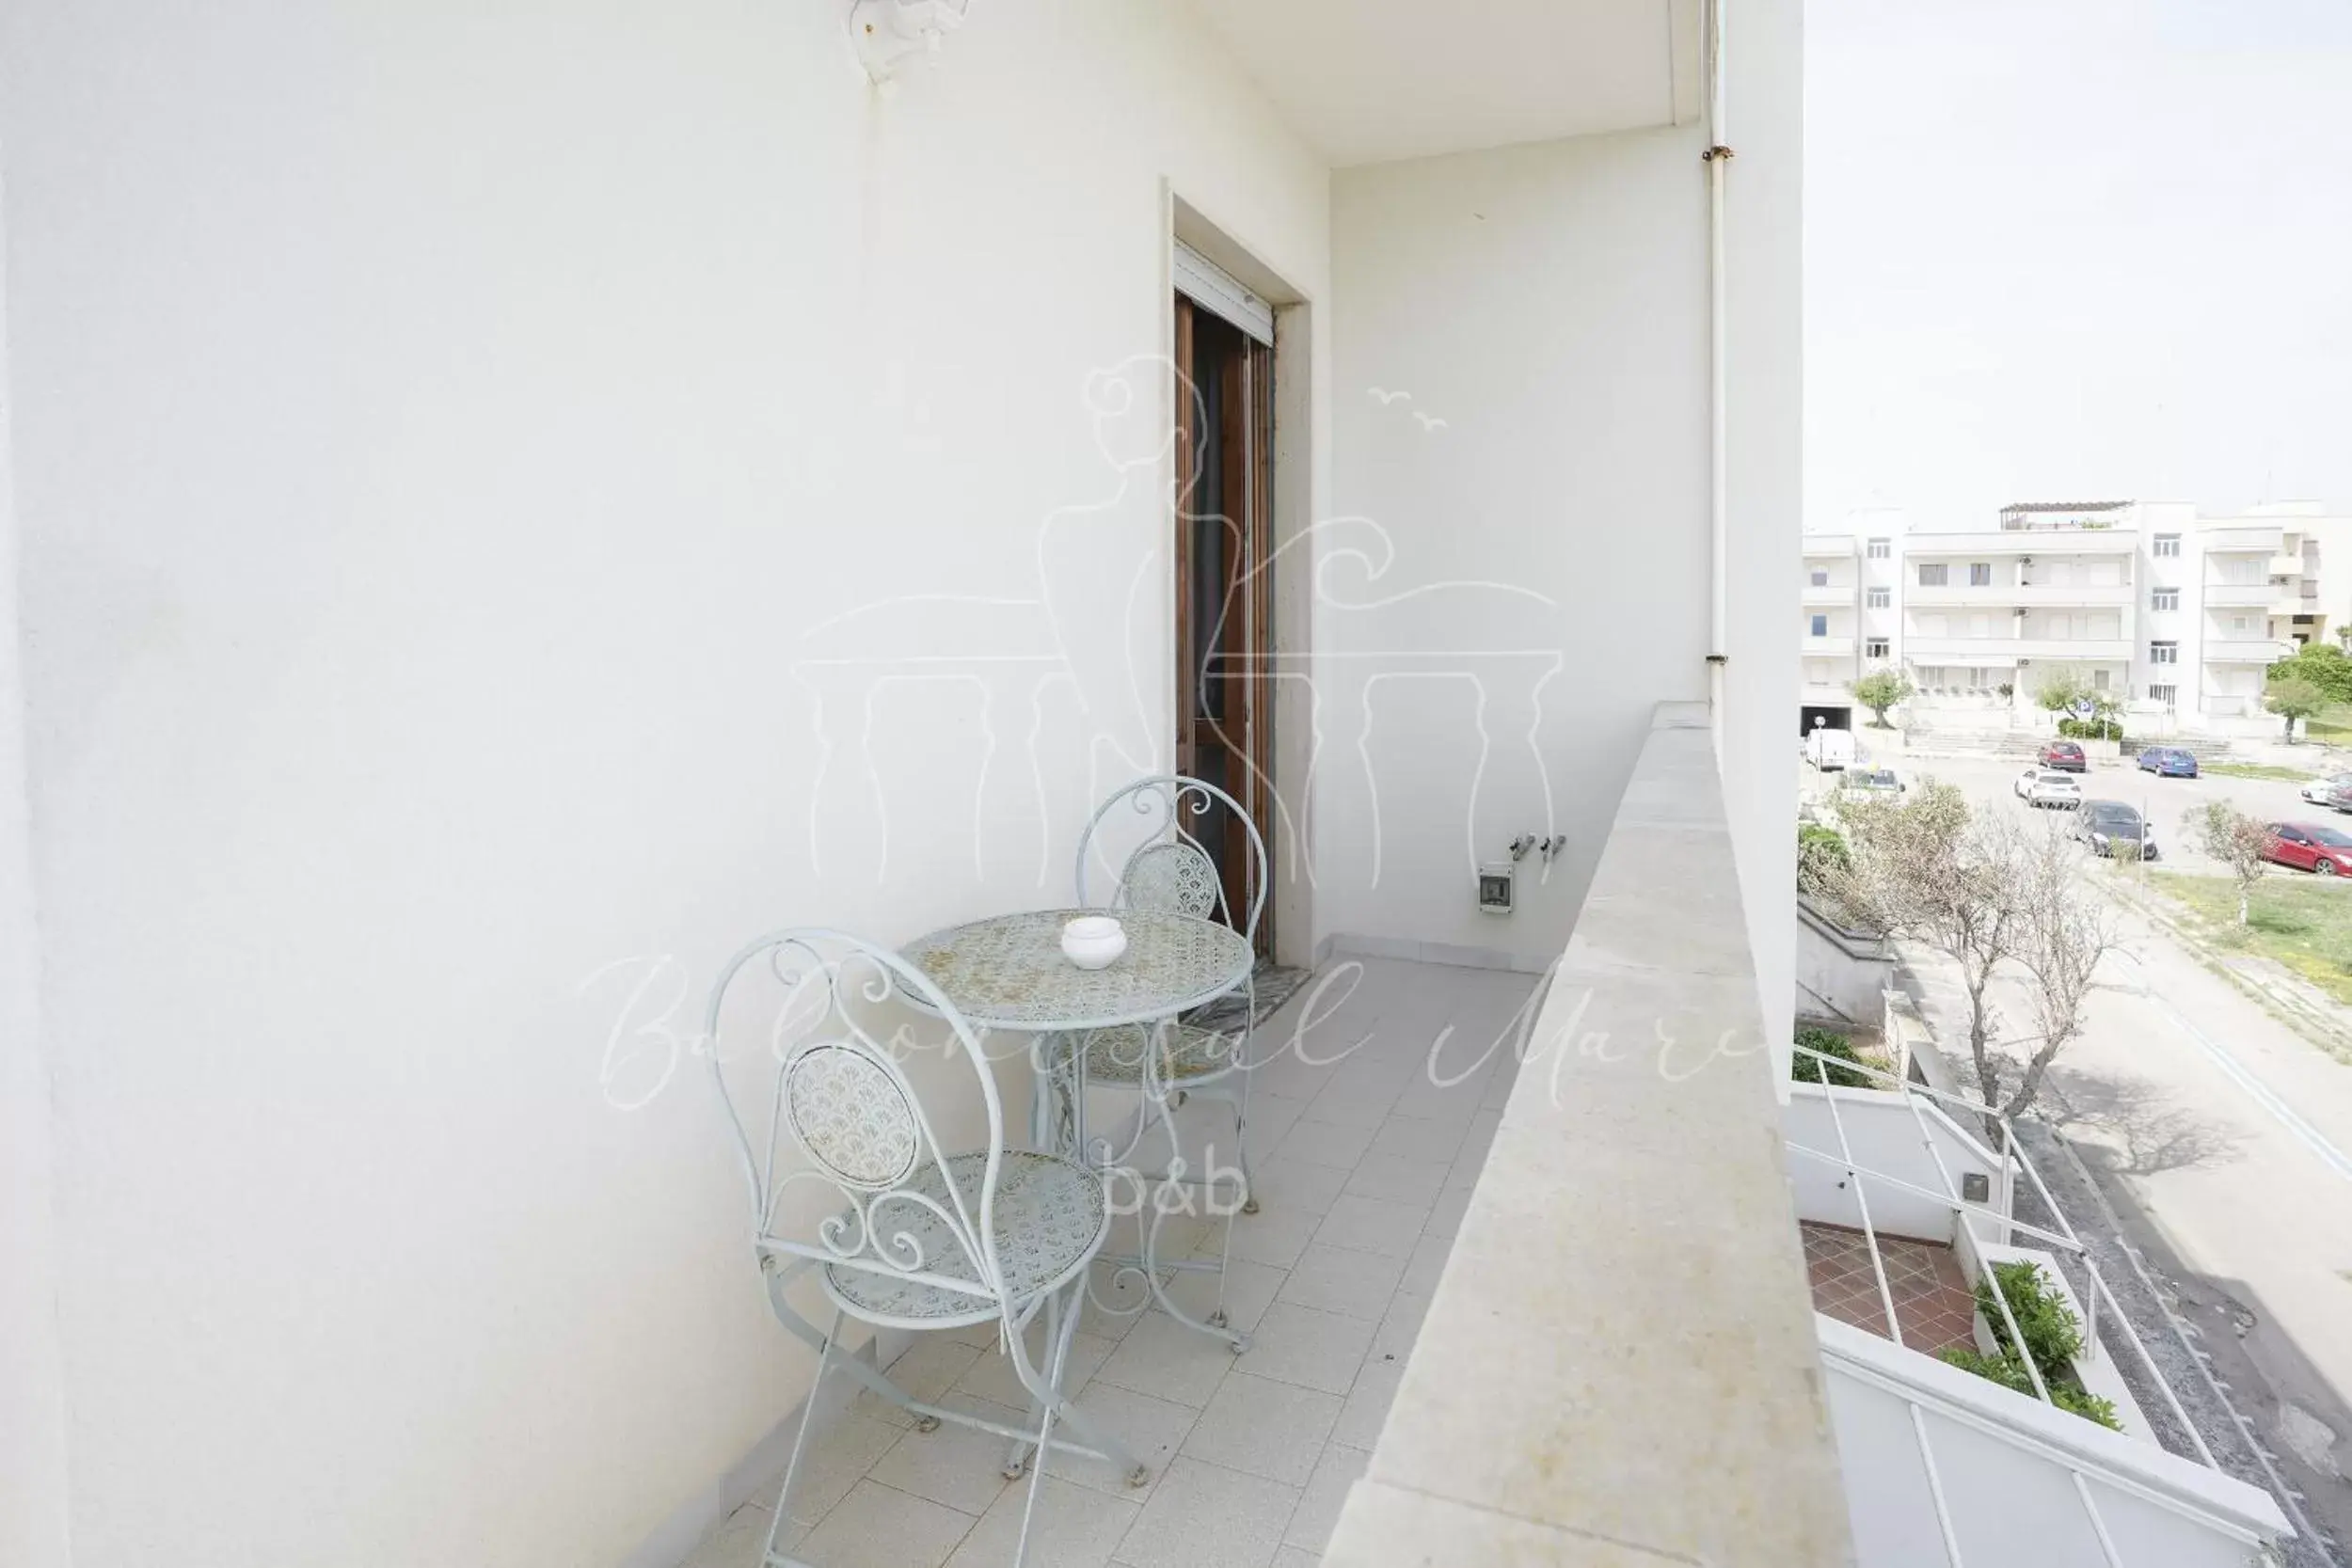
2309,847
2064,755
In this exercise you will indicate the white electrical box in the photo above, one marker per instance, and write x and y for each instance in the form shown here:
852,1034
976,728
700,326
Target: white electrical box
1494,887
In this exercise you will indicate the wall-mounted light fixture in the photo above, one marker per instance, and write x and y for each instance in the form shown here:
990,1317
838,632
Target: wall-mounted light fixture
887,31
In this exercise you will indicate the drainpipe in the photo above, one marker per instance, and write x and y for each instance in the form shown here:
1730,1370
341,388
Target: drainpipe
1717,156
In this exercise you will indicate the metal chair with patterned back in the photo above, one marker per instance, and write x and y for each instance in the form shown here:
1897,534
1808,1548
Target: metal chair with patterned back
1171,871
931,1239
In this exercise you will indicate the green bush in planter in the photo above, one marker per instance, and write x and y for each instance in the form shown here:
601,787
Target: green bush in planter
1807,1069
2053,1335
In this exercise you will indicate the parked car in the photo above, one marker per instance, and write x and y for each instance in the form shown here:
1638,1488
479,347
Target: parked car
2167,762
2111,828
1882,784
2046,786
2340,795
2065,755
2322,792
2309,847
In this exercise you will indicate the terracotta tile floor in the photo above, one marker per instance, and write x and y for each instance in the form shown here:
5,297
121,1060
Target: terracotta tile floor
1932,1301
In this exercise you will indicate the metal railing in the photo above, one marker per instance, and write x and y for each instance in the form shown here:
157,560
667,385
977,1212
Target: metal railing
2065,1239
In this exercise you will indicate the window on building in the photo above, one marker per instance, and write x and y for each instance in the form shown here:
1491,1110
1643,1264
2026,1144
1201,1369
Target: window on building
2164,599
1980,573
1881,597
1880,548
2167,545
2164,653
1874,647
2097,680
2168,695
1933,574
1817,625
1819,577
2238,624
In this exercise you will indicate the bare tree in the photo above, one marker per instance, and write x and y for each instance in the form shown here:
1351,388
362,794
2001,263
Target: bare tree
1921,870
2067,935
1990,896
2237,841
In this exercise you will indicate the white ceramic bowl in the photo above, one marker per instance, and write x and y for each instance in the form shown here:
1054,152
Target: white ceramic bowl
1093,940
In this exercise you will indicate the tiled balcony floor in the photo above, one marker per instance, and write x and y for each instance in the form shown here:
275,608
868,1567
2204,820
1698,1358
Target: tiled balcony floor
1932,1302
1364,1168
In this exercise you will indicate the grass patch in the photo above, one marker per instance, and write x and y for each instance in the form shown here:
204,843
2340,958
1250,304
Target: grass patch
2258,770
2304,922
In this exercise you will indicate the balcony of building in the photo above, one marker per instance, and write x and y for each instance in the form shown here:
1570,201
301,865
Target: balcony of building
2245,539
1428,1278
2038,542
1828,595
1952,648
2245,650
2019,595
641,502
1834,645
2240,595
2295,596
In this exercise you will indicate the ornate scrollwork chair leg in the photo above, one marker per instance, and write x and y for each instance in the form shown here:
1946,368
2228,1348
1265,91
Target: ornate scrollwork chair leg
931,1239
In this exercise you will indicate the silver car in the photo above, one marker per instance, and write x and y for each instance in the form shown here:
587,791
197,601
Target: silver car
2322,792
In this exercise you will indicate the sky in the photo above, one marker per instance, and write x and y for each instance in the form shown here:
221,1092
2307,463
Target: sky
2076,250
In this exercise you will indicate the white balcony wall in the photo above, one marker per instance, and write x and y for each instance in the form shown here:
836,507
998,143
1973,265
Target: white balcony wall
34,1525
2006,1466
1884,1137
438,429
1539,300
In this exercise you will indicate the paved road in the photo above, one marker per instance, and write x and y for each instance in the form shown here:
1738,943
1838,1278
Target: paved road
2165,801
2225,1141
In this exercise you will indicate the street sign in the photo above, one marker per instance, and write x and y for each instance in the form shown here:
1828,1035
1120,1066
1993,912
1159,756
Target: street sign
2085,708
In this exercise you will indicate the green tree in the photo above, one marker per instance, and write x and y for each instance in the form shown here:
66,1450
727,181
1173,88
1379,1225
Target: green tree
2239,842
2323,666
2059,686
1879,691
2063,688
2292,697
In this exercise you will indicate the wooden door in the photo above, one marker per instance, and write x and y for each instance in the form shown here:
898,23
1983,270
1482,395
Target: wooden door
1223,601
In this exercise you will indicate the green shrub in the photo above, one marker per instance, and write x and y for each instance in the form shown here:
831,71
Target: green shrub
1808,1070
2053,1335
2007,1370
2090,728
2076,1400
1822,852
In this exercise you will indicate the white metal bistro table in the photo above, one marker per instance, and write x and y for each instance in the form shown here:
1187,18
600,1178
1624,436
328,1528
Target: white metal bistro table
1008,972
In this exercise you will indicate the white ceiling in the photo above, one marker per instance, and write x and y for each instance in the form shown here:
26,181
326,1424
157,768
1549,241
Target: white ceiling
1372,80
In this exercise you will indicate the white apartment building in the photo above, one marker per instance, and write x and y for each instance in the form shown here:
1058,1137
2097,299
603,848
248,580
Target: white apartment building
2179,615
